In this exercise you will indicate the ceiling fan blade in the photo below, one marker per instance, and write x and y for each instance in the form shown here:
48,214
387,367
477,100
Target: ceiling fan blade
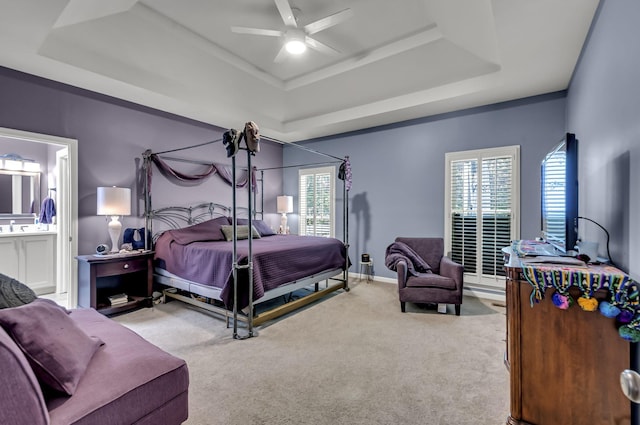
315,44
256,31
329,21
287,14
282,55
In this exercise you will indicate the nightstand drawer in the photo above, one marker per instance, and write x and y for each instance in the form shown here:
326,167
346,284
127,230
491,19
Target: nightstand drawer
121,267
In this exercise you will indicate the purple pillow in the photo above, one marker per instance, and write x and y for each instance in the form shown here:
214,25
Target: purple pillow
56,348
262,227
210,230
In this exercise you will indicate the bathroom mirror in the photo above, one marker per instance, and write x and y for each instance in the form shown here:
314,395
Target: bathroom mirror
19,193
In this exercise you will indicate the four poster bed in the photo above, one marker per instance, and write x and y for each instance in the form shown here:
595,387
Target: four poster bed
205,257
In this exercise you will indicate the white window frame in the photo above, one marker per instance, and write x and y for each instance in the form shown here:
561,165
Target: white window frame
331,171
484,281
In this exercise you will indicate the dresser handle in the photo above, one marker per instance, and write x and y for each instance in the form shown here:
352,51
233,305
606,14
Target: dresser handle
126,266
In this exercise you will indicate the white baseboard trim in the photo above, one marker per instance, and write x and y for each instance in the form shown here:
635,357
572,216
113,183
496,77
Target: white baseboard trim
485,294
470,291
356,276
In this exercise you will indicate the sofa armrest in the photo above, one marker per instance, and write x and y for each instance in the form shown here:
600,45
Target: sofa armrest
401,269
22,401
453,270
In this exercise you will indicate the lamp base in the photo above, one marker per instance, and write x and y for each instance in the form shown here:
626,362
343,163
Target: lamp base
283,224
115,227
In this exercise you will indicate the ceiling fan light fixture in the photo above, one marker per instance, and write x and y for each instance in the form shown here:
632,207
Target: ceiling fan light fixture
295,47
294,41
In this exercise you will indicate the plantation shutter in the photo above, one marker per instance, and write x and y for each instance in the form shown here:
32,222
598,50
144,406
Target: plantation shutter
316,206
496,213
481,216
464,180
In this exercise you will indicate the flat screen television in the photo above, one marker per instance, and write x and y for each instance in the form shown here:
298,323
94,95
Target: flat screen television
559,190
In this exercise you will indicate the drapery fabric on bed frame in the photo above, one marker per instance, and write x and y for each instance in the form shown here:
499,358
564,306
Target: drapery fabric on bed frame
231,178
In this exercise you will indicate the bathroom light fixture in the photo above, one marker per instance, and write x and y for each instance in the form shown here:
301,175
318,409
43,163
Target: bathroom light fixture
31,166
284,205
114,202
15,162
13,165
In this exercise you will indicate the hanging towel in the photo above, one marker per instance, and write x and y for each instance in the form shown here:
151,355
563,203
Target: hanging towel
47,211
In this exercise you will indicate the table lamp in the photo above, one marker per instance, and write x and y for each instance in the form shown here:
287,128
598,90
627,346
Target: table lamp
114,202
284,205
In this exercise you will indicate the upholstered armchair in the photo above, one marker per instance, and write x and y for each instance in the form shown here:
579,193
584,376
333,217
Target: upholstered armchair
425,274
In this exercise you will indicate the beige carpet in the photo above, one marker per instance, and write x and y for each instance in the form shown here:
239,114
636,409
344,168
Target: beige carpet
353,358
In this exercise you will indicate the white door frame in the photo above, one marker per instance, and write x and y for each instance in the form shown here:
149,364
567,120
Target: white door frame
71,219
65,259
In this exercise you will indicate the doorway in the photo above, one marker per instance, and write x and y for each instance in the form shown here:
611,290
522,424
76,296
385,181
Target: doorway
65,181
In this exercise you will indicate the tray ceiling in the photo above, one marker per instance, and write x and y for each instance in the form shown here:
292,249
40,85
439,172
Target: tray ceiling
397,60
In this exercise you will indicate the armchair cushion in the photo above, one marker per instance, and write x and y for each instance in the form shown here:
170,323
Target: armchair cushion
430,280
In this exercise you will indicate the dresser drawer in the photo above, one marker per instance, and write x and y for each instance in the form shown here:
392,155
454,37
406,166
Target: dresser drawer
114,268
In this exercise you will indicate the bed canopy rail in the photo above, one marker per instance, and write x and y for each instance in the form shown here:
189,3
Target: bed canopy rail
172,216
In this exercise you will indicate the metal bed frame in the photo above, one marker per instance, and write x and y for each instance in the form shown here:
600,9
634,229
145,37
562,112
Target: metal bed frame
176,217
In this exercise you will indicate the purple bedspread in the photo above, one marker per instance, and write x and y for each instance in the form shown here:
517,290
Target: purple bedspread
277,260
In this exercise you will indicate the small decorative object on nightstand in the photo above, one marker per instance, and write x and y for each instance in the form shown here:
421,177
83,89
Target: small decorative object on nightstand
115,283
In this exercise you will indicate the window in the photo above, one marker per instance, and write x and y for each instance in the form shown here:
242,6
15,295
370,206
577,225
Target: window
317,195
481,211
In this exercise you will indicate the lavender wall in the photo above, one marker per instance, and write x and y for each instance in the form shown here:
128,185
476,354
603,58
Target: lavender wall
603,107
398,170
112,134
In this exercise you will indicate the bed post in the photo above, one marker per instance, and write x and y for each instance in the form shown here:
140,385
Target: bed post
250,240
345,228
148,223
235,249
249,265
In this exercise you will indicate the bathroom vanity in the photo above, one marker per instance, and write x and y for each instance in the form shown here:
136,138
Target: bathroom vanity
29,255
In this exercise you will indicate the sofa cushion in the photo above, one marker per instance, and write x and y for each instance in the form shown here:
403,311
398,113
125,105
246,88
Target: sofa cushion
430,280
57,350
128,381
14,293
22,400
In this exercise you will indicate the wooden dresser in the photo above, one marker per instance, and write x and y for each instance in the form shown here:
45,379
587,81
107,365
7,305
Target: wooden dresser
564,365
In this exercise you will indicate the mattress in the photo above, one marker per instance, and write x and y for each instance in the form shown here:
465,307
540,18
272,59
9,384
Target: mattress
276,260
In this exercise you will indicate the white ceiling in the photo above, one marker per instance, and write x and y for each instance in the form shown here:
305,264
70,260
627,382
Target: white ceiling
398,59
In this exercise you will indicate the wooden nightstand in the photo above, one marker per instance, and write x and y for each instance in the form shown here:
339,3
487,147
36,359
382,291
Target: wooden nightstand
101,277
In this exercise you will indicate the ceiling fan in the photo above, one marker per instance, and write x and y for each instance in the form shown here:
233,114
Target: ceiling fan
297,39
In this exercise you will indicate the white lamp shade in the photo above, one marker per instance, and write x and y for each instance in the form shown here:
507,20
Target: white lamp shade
284,204
114,201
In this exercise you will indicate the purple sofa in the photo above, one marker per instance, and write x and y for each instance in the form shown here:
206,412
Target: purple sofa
119,377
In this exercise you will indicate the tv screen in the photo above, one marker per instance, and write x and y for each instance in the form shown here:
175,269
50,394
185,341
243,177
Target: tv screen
559,189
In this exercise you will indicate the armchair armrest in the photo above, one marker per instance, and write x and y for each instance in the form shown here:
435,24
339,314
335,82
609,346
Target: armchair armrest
453,270
401,269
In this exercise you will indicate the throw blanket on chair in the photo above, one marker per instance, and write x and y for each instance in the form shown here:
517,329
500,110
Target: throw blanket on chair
399,251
